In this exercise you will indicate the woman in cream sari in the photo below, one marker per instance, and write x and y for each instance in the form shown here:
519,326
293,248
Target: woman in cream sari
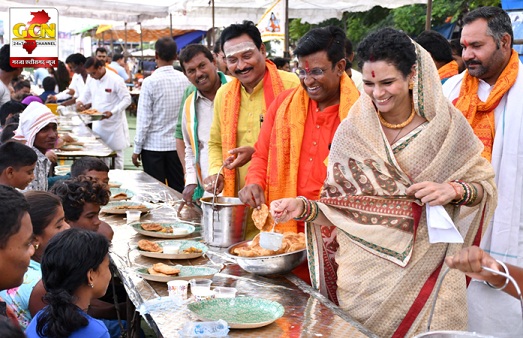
403,146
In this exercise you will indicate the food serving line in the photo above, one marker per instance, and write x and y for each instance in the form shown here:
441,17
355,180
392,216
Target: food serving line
87,143
305,311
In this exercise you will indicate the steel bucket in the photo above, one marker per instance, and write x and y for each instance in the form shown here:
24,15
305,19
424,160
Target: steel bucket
224,221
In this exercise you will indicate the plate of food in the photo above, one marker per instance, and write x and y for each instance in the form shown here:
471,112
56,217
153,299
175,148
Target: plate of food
65,128
114,184
239,312
95,114
171,249
71,147
164,273
163,229
118,194
120,207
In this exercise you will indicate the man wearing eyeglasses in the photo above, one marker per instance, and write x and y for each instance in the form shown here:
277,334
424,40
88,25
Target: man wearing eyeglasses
295,138
240,106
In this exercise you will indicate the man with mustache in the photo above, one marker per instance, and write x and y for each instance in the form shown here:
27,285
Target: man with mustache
489,95
158,107
195,118
240,106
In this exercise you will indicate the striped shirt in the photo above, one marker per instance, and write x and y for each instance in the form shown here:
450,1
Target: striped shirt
158,107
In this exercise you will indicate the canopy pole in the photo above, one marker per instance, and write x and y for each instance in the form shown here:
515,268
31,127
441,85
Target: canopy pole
141,42
212,31
286,52
125,37
429,15
171,24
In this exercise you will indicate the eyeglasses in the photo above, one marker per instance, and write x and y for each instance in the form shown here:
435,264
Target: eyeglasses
315,73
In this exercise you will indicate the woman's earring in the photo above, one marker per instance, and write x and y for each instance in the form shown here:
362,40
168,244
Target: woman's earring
37,245
91,285
411,85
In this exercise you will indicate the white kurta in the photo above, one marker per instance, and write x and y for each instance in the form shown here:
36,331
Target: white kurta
492,312
109,94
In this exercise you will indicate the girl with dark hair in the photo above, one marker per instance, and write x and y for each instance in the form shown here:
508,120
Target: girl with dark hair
47,217
402,154
62,76
75,270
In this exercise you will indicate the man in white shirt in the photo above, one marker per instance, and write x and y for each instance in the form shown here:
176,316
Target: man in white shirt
158,107
107,93
196,114
76,64
121,67
494,77
7,74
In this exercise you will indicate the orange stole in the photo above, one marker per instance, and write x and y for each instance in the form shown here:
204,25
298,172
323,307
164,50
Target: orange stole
448,70
285,145
481,114
272,87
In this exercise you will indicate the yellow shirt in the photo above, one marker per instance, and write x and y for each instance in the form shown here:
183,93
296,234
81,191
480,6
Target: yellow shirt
252,107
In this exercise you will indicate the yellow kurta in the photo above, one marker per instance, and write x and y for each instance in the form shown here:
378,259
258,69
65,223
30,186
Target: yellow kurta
252,108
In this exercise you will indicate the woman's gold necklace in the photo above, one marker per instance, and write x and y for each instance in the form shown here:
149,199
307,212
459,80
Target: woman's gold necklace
399,125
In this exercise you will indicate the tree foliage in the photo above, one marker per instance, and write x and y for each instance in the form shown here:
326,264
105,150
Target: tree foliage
410,19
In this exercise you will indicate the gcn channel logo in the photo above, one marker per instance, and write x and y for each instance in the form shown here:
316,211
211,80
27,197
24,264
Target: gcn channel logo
34,37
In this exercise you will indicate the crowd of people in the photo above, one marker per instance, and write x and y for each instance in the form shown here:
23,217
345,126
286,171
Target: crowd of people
358,161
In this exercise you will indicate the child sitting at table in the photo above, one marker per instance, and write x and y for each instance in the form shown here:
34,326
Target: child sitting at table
82,199
92,167
38,129
86,166
17,164
75,272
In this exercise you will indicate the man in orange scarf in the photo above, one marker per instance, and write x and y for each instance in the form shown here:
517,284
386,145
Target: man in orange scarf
489,95
240,106
441,52
294,143
295,138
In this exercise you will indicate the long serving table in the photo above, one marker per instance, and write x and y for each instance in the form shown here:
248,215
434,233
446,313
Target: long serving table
73,123
307,312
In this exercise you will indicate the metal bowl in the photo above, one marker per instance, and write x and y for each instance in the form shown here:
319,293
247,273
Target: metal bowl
267,265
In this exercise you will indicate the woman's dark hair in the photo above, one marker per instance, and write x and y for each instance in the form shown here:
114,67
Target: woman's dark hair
389,45
68,258
62,76
43,208
77,192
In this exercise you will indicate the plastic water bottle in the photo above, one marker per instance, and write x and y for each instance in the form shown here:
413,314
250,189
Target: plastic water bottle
218,328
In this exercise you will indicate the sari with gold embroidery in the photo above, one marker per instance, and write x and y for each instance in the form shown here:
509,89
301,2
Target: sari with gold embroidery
377,262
